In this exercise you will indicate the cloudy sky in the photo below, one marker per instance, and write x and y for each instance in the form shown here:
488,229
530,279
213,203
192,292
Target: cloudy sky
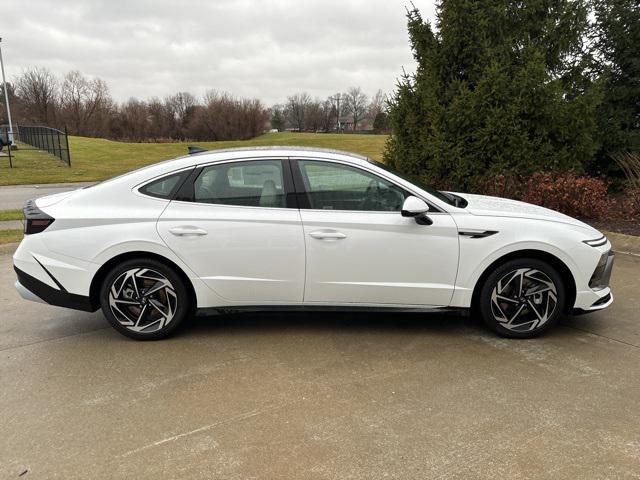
258,48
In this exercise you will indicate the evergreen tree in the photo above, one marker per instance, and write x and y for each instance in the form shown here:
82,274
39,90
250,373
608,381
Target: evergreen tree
617,34
277,118
500,87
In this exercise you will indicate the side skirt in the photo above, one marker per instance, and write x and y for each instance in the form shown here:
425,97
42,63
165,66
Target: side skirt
212,311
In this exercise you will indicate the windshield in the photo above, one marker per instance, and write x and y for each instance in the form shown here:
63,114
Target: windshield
448,198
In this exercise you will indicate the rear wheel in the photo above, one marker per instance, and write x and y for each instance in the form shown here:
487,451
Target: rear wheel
522,298
144,299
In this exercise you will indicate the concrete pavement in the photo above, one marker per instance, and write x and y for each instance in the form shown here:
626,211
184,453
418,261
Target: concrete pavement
320,396
15,196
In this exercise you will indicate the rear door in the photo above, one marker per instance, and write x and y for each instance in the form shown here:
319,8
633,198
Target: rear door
361,250
237,227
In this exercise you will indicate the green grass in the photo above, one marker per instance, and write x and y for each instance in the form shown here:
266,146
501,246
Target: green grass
94,159
10,236
10,215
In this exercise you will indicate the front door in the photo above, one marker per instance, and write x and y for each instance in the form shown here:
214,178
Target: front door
237,233
361,250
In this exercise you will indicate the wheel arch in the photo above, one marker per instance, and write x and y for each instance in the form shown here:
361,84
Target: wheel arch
98,278
555,262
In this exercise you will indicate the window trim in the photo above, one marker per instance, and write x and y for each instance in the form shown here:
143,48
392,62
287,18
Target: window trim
186,193
185,173
305,204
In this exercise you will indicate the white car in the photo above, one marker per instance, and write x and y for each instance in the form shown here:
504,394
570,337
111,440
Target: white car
281,228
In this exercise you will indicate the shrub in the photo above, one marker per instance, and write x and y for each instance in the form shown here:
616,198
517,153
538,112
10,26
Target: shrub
629,206
578,196
505,186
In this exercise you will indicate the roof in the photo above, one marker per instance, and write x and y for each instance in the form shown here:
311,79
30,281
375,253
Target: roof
289,148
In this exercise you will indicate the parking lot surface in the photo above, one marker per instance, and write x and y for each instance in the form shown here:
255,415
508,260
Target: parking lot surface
323,395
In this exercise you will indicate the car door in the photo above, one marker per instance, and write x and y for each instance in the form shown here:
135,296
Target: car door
234,224
361,250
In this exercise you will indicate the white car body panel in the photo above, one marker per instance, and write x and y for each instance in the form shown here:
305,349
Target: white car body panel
383,258
267,256
248,255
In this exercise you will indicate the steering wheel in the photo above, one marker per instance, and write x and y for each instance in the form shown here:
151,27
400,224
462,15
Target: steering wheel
371,199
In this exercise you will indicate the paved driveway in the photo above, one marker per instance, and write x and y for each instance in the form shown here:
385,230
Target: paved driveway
327,396
14,196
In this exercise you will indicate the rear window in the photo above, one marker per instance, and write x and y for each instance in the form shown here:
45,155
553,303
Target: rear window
165,187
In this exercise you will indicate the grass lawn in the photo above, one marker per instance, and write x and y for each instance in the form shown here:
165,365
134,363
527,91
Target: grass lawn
10,236
95,159
10,215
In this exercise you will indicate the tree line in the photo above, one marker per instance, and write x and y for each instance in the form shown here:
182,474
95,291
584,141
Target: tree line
514,88
85,107
352,110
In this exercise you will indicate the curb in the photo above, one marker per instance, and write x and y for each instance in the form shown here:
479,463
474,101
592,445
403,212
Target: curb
8,248
624,243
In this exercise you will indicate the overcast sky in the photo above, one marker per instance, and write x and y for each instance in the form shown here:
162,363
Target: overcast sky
264,49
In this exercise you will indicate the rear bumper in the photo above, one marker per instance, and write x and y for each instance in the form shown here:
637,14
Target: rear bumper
30,288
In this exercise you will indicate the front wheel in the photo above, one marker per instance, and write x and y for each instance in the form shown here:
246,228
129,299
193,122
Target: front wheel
522,298
144,299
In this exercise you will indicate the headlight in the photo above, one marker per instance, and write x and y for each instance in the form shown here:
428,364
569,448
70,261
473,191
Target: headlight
596,242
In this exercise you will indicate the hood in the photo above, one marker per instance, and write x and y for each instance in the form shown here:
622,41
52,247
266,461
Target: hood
501,207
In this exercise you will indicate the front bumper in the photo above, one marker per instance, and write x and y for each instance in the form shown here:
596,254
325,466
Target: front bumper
599,296
30,288
602,274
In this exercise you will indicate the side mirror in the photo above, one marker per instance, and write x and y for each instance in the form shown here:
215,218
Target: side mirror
414,206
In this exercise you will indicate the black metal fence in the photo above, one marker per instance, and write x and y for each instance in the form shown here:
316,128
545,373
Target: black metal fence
49,139
5,147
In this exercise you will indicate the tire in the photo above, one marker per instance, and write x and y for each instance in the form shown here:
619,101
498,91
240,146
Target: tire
516,311
144,299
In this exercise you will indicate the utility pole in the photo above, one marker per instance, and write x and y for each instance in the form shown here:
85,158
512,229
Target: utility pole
337,97
6,99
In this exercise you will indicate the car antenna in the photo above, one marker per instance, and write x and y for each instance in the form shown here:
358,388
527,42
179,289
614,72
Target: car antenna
194,149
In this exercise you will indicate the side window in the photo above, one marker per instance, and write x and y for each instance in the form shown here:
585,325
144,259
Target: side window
251,184
332,186
165,187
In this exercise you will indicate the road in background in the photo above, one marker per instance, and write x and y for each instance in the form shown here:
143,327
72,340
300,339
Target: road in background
323,395
15,196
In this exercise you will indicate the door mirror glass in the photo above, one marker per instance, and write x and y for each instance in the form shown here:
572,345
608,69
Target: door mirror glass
414,206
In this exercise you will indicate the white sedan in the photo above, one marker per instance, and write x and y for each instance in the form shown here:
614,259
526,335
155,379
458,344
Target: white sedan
294,228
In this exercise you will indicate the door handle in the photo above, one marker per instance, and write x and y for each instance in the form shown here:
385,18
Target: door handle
187,230
327,235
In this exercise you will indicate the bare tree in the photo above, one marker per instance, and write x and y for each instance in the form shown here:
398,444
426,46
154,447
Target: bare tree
329,113
132,121
376,105
355,103
81,101
37,89
296,109
224,117
315,115
182,106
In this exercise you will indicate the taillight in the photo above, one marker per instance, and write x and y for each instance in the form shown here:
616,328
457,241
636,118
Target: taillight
35,220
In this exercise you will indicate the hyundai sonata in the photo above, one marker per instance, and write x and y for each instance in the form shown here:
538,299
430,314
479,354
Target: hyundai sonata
282,228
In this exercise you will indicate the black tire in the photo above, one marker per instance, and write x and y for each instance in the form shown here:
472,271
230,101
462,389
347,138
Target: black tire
167,293
540,301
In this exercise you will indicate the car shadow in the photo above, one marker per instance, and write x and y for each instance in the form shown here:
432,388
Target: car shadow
330,321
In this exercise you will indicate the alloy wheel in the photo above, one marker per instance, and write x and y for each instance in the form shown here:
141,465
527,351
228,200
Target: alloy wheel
143,300
524,300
